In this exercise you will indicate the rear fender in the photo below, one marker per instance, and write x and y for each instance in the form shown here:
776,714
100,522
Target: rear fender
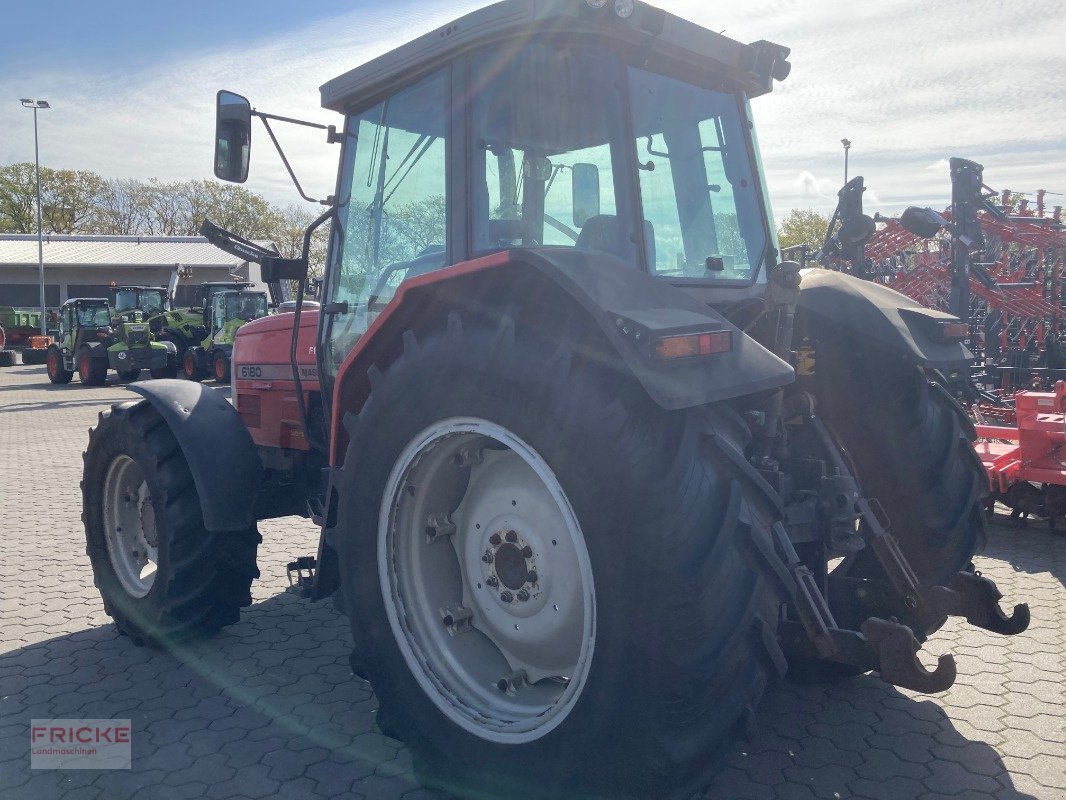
843,305
546,291
221,456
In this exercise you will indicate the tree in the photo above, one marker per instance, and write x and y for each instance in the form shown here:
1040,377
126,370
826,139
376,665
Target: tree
802,226
70,199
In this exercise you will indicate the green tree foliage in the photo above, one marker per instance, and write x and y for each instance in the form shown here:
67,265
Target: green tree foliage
802,226
79,201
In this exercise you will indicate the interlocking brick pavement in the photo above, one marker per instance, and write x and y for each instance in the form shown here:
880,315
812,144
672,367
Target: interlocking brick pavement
269,707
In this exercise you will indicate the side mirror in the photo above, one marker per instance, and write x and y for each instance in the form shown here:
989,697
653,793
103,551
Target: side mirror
233,136
857,229
585,188
922,222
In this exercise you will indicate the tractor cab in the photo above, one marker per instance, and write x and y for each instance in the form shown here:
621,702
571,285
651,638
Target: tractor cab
82,320
234,308
140,303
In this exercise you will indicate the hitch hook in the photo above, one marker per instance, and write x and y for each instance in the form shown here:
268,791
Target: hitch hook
981,602
897,662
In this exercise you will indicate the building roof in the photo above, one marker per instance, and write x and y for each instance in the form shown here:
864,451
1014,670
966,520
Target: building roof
138,251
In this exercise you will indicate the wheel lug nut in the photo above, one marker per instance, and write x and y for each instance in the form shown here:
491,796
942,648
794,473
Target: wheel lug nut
531,576
506,597
512,536
492,581
527,551
487,557
523,595
495,540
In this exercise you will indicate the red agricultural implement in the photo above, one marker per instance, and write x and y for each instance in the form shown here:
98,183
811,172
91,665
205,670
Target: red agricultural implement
1026,462
994,266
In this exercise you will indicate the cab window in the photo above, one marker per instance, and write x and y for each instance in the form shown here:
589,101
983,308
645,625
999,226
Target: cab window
393,206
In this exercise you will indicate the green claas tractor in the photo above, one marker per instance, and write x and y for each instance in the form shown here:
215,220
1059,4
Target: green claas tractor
185,327
135,348
226,313
91,341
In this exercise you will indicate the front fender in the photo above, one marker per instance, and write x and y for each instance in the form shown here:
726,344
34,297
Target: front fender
862,308
217,446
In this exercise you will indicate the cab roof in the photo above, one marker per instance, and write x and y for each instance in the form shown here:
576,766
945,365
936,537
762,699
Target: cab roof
749,67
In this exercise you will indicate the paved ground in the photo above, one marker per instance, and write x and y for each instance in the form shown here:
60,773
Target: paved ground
269,708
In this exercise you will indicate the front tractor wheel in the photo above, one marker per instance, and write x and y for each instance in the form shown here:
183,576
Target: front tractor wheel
550,580
190,366
163,577
221,367
57,373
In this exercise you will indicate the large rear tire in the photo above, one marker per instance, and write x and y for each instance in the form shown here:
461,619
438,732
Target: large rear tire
911,445
620,544
163,576
92,371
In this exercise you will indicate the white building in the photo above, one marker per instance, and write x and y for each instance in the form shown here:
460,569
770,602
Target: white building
86,266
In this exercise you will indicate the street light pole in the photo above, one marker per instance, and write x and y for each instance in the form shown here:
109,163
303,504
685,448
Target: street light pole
847,146
36,104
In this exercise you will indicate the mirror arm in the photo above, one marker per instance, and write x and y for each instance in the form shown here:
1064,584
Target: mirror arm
277,146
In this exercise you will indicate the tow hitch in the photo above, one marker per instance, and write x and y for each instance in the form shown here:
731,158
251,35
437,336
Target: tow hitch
884,645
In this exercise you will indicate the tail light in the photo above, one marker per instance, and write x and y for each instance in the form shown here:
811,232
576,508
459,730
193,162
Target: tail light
692,345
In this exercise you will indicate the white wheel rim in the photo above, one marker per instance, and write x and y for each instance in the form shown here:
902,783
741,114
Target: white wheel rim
130,527
469,504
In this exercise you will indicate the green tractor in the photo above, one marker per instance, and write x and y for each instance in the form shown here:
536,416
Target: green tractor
186,327
226,313
134,348
91,341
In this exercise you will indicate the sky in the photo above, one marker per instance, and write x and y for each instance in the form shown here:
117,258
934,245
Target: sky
909,82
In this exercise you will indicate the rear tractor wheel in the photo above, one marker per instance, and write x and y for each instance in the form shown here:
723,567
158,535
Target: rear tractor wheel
56,372
548,577
163,577
92,371
910,445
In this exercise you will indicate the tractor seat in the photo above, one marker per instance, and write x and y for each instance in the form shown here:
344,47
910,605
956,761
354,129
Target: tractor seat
604,234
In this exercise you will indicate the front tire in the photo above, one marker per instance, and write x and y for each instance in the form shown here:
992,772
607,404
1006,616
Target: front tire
129,375
56,372
221,367
190,367
639,532
163,577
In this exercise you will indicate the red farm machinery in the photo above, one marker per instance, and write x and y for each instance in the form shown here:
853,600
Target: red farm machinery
591,463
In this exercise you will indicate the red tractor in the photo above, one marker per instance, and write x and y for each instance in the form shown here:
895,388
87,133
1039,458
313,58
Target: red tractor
576,501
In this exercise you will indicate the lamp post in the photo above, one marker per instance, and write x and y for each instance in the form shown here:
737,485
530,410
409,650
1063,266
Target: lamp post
847,146
36,104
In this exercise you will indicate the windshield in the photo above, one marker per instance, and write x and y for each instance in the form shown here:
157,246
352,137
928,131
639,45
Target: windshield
94,316
148,300
247,307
